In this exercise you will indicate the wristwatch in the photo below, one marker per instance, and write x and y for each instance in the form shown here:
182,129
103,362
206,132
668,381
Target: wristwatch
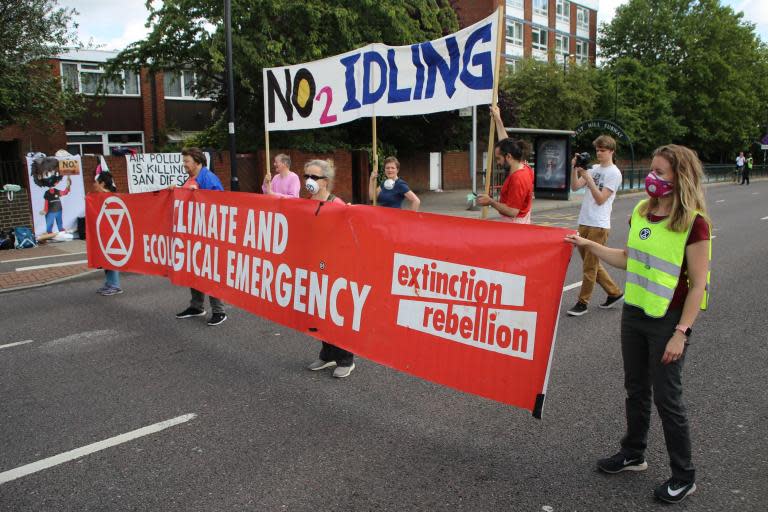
684,329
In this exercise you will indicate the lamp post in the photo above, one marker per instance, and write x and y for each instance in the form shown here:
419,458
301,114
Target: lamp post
616,98
235,183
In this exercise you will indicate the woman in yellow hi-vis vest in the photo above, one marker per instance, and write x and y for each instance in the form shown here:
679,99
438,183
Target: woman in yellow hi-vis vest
667,263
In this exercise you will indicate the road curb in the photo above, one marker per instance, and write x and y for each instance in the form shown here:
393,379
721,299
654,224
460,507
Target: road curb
55,281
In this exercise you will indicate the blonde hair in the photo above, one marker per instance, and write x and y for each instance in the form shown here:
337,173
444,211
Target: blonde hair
326,167
688,196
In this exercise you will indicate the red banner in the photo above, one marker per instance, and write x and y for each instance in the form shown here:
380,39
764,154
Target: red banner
465,303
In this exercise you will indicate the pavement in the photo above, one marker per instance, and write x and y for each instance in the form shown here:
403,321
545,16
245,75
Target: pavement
253,430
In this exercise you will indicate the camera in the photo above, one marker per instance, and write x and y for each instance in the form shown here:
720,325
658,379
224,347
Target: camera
582,159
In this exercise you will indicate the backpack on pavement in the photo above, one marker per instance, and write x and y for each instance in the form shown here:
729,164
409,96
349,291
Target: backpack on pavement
25,238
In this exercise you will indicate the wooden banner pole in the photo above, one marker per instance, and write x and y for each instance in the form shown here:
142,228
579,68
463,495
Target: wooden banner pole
375,150
266,155
492,131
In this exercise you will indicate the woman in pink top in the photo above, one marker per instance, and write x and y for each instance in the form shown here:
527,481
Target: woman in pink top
285,183
318,180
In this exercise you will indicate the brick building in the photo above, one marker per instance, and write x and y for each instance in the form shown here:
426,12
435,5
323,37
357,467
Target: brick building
144,112
558,31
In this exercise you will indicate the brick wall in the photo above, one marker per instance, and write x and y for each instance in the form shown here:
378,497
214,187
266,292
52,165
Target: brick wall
456,170
414,169
17,212
472,11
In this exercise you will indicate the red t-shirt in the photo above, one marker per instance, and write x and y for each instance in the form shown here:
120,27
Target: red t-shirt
699,232
517,190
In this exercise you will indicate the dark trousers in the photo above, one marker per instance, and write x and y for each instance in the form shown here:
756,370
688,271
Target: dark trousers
643,341
198,301
333,353
745,176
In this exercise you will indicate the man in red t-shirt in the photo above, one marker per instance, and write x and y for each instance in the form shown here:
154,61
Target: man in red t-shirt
516,198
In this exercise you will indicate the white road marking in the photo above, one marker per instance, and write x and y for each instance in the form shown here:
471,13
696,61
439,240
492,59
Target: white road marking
51,265
764,218
9,345
720,201
571,286
40,465
713,237
755,193
42,257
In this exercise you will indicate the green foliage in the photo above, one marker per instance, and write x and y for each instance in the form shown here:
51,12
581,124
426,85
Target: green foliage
32,31
541,95
714,65
268,33
645,103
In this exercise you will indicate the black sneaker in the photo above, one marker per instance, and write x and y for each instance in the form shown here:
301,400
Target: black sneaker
611,301
674,490
620,462
579,309
190,312
217,318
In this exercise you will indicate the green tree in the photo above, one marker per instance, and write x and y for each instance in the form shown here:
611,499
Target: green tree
716,67
642,104
31,32
268,33
543,96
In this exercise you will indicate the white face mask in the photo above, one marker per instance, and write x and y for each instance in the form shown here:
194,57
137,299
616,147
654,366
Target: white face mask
389,184
312,186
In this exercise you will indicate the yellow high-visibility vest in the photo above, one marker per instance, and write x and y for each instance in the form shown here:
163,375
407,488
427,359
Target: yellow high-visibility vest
655,257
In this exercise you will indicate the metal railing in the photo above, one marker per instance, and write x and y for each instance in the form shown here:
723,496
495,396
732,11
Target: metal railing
713,173
13,172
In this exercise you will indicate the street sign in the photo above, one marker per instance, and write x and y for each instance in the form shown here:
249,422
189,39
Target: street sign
764,147
465,112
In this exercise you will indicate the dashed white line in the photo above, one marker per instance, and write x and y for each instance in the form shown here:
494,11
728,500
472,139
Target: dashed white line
720,201
9,345
571,286
764,218
51,265
40,465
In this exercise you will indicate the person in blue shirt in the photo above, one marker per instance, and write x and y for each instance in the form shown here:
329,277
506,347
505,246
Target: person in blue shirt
200,178
394,190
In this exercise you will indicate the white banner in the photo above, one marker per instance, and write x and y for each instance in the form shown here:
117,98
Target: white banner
57,193
445,74
148,172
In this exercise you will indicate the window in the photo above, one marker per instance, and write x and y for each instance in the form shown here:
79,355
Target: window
513,64
515,33
561,44
180,85
515,4
102,143
86,78
582,18
582,51
539,39
563,10
540,7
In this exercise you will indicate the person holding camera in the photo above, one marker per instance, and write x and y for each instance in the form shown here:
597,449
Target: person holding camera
602,182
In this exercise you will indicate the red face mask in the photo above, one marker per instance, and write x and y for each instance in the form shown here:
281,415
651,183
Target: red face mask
657,187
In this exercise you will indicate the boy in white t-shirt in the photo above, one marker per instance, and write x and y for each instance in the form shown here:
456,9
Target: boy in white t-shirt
602,182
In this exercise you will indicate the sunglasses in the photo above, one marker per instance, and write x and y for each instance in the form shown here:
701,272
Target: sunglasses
316,178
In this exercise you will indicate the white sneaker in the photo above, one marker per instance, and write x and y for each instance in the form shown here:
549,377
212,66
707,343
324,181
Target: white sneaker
320,365
343,371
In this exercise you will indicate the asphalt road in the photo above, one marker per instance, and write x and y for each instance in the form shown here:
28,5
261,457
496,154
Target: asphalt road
269,435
